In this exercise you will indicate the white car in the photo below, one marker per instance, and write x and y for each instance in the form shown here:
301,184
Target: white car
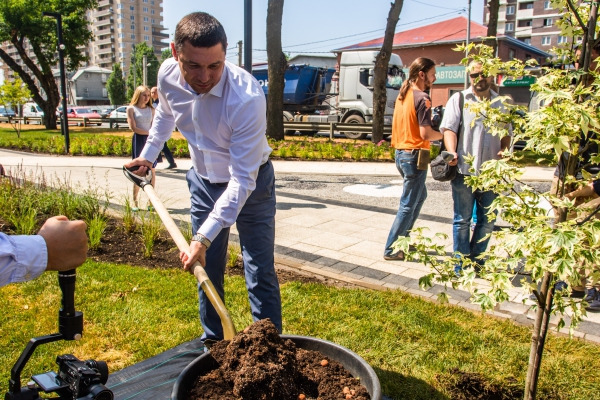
120,112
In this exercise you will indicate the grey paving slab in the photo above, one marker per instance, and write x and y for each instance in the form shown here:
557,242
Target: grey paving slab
369,273
396,279
343,266
325,261
330,240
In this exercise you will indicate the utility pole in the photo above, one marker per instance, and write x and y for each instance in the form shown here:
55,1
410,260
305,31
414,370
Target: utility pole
64,121
248,35
145,73
468,39
240,53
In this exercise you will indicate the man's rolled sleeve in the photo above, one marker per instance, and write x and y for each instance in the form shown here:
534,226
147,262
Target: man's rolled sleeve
22,258
451,119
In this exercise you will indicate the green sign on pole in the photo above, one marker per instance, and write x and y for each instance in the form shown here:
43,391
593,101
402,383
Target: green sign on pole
520,81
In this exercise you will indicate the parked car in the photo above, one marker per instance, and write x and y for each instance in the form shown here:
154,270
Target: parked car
32,110
82,112
120,112
6,112
105,111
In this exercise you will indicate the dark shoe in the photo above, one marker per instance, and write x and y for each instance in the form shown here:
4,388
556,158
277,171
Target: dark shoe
577,294
591,295
394,257
171,166
594,305
560,285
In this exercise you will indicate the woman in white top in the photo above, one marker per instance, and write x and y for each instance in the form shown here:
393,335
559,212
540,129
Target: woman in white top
140,114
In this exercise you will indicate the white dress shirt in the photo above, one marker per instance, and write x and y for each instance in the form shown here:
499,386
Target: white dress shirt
225,129
22,258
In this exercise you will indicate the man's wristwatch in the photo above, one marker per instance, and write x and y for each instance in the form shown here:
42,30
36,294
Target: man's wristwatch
202,239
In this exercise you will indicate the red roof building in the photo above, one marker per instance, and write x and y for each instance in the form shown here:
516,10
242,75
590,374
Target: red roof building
438,41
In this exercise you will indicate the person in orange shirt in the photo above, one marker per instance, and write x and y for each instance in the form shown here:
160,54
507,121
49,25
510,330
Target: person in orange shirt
411,131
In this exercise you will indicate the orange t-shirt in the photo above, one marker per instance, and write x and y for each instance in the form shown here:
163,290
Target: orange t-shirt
409,115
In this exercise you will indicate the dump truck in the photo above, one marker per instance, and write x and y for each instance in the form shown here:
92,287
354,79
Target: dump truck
323,95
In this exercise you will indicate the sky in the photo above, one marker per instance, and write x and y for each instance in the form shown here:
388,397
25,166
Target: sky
317,26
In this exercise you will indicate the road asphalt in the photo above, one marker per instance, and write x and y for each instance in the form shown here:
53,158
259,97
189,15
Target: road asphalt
334,236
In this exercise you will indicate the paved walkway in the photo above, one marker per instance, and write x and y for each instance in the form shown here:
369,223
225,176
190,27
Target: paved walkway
340,240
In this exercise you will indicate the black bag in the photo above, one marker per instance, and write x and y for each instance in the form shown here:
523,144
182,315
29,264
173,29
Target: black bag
440,170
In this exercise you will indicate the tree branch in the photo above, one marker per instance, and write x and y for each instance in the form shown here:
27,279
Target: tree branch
574,11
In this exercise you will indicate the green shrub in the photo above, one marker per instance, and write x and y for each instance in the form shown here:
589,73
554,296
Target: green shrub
95,229
151,227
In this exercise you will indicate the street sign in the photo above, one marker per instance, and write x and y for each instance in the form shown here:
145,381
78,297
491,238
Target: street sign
520,81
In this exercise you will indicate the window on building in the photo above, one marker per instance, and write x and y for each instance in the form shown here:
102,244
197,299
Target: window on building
527,56
121,35
510,27
152,12
122,45
146,19
525,23
132,8
152,20
146,37
527,41
132,18
562,40
120,6
145,1
145,9
579,39
511,54
132,27
119,16
547,21
152,2
510,10
526,6
547,5
121,26
147,29
546,40
133,35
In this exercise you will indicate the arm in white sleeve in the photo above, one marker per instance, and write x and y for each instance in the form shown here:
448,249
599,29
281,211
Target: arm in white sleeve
246,149
161,130
22,258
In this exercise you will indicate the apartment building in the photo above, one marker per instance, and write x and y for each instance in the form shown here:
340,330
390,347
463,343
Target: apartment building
117,25
530,21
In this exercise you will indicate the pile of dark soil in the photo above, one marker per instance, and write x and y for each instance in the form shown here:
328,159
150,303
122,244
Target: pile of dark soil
259,365
472,386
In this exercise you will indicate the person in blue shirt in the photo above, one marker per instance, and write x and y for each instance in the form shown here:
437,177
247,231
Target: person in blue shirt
60,245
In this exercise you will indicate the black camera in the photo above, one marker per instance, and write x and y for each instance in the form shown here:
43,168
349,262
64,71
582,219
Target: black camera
437,114
76,379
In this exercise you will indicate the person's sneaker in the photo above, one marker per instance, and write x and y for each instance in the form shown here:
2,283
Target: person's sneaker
594,305
171,166
591,295
394,257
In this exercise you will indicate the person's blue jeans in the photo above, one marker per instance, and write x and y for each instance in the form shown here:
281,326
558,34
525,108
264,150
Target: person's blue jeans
413,196
464,198
256,227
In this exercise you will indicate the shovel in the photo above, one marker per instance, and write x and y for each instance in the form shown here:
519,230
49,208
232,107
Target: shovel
183,245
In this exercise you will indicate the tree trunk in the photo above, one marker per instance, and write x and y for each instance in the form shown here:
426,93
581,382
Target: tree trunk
277,67
493,7
380,71
538,337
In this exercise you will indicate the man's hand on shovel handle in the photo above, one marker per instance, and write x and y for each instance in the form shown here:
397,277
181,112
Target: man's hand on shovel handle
143,164
197,253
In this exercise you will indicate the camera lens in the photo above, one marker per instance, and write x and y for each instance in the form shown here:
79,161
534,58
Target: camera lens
99,392
99,366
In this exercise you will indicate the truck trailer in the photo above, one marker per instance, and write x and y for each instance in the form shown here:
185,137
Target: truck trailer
323,95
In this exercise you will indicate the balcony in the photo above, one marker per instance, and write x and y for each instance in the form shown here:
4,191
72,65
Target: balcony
104,3
104,41
525,14
104,22
160,35
108,50
103,13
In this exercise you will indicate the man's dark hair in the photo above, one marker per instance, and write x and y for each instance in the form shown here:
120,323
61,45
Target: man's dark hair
200,30
420,64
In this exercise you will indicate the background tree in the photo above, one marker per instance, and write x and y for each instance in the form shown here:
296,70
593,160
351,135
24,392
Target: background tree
13,95
136,69
166,54
277,67
381,71
536,249
115,86
492,31
22,25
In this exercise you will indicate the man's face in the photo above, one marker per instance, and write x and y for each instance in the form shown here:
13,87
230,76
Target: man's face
429,78
201,67
154,93
480,82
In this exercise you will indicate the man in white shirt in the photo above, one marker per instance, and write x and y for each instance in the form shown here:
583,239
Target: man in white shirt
221,110
60,245
473,139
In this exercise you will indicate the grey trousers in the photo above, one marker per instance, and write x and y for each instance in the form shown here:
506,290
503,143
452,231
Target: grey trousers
256,227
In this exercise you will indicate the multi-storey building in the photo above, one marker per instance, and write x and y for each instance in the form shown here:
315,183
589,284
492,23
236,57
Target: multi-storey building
530,21
117,25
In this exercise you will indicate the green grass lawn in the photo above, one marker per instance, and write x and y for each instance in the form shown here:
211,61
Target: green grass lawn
133,313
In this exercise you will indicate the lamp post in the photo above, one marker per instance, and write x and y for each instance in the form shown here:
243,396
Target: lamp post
468,39
248,35
64,122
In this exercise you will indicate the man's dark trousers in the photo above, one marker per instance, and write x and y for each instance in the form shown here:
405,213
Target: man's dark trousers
168,155
256,227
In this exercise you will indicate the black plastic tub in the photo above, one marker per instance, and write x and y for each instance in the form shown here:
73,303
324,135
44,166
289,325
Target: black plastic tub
349,359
